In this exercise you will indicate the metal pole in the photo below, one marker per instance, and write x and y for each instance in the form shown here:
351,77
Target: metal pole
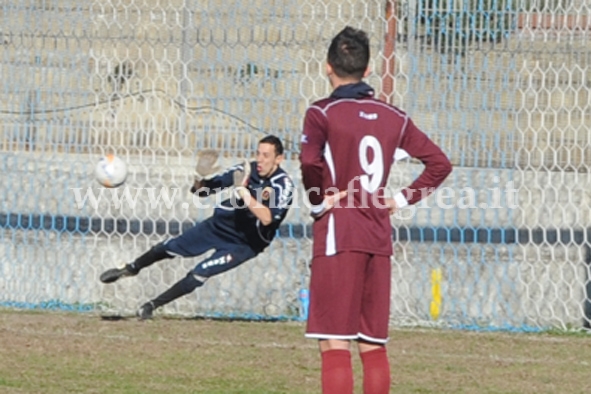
389,62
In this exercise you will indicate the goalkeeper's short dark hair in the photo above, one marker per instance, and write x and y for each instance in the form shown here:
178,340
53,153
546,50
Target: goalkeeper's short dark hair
276,142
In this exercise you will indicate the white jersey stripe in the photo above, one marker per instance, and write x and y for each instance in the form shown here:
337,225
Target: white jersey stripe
400,154
331,248
330,163
331,244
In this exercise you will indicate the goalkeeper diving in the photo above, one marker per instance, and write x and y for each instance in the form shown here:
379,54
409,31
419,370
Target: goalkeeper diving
240,228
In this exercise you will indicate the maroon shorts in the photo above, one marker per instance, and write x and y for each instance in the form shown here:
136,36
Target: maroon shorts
350,297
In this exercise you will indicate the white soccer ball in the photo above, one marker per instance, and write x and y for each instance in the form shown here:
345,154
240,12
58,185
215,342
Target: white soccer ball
111,171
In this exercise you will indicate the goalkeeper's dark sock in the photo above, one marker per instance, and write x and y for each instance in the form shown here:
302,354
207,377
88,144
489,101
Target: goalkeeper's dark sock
156,253
337,372
376,371
179,289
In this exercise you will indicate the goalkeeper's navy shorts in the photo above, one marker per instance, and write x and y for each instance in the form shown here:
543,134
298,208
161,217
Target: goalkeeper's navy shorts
229,249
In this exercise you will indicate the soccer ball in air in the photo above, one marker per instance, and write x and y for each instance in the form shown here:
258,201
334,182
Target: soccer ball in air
111,171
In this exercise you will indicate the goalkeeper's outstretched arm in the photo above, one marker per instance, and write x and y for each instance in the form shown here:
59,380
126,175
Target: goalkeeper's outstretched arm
235,176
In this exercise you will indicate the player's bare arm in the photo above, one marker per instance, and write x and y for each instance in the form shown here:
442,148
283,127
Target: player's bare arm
259,210
240,181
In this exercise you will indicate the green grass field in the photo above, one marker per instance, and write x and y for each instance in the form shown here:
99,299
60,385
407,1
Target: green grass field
49,352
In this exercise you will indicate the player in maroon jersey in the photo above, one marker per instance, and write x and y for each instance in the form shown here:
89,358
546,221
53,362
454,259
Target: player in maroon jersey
350,141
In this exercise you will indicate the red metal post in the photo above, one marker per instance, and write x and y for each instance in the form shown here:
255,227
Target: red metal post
389,62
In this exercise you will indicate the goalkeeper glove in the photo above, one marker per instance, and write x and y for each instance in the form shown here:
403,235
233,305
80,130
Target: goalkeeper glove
240,179
206,160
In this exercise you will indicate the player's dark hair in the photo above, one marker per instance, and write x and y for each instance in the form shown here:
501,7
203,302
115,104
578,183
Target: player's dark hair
276,142
348,53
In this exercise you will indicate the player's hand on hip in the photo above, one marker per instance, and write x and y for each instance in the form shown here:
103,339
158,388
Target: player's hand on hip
391,205
329,202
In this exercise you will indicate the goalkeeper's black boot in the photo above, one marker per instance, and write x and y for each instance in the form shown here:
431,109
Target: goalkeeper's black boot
113,274
146,311
156,253
179,289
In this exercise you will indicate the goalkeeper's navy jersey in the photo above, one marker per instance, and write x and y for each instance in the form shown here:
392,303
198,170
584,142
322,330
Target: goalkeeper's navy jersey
237,221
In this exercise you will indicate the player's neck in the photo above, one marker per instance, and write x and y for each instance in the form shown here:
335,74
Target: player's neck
271,172
337,82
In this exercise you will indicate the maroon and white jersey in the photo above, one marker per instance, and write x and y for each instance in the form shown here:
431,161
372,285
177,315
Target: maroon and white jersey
349,142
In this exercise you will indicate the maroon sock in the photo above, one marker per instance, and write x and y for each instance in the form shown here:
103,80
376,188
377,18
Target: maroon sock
376,371
337,372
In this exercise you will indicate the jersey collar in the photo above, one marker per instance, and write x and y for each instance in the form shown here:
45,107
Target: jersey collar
353,90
